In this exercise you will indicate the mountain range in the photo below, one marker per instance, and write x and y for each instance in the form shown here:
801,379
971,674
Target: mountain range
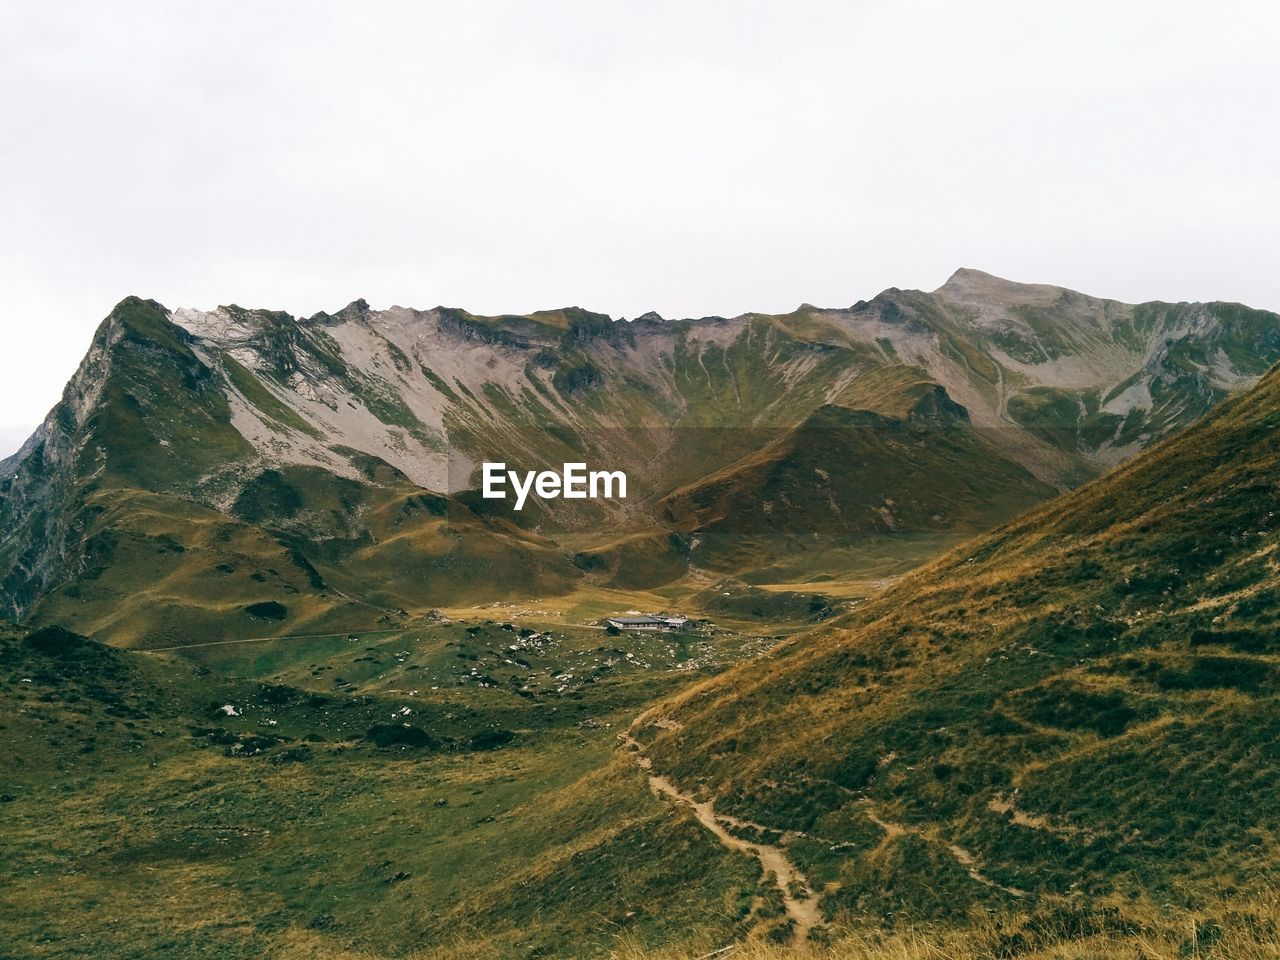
202,464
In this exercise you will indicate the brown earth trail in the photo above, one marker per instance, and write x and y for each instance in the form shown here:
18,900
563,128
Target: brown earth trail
798,897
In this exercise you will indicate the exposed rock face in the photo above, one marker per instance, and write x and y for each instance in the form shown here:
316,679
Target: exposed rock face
38,518
1074,381
197,405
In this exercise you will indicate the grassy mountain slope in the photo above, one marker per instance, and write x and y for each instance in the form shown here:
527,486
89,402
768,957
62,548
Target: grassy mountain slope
156,807
845,474
1079,709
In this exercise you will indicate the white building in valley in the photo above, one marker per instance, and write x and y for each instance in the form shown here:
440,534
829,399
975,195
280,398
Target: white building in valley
647,624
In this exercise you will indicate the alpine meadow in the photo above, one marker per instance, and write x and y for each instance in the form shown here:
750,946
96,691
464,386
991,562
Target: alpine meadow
945,624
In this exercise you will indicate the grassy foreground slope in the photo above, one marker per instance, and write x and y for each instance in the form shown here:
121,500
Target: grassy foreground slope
1082,708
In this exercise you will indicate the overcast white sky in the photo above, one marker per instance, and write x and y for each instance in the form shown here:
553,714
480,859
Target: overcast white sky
689,157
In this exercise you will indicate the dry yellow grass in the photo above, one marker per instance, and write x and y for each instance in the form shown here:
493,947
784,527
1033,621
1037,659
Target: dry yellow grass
1247,933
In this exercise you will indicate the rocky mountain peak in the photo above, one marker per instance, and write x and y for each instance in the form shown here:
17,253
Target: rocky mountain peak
968,285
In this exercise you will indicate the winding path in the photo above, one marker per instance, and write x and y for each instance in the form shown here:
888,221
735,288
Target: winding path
797,896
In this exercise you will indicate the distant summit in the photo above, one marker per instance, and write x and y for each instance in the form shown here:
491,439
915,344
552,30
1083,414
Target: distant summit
967,285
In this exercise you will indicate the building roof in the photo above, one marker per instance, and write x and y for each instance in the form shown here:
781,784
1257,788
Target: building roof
646,621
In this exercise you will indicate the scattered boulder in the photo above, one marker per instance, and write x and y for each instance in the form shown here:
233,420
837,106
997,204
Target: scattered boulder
251,745
301,754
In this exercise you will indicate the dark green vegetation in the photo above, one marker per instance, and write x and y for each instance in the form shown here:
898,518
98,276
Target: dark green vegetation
1081,708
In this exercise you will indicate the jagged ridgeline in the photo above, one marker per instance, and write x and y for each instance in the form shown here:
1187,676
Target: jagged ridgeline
225,472
1077,713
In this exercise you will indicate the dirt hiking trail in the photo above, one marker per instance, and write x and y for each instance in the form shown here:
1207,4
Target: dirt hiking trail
797,896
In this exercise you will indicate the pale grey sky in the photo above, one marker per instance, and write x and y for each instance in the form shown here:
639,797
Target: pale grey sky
689,157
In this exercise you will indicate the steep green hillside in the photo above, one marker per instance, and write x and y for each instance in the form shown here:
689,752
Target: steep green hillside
1077,711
